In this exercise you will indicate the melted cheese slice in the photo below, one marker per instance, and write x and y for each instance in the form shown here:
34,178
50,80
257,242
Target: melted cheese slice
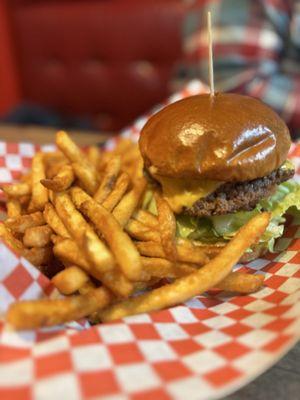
181,193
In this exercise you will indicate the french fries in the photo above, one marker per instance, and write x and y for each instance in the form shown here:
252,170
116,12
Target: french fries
24,202
34,314
123,146
70,280
53,220
189,246
62,181
82,219
54,158
39,195
167,227
37,236
129,203
86,176
241,282
86,287
13,208
162,268
186,255
38,256
94,155
139,231
114,280
108,181
118,192
56,239
17,189
83,169
69,148
146,218
122,247
197,282
55,168
68,252
10,239
23,222
78,227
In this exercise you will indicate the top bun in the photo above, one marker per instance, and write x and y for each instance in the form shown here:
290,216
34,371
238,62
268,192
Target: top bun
227,137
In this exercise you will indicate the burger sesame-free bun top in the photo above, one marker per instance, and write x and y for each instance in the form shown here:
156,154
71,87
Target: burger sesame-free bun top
226,137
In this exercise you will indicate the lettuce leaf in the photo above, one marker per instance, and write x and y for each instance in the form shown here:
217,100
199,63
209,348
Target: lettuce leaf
224,227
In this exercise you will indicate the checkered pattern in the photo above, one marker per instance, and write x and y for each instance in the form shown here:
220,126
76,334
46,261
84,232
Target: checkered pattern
15,159
201,350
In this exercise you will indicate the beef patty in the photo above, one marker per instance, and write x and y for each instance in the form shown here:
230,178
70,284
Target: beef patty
239,196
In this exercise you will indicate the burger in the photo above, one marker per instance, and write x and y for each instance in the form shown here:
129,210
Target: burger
219,160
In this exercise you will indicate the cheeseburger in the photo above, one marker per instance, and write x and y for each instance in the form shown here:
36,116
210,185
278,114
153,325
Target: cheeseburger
219,160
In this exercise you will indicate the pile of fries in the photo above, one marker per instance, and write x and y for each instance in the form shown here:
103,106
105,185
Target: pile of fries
78,217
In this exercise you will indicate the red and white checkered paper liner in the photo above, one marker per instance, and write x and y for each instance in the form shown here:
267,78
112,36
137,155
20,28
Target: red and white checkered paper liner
204,349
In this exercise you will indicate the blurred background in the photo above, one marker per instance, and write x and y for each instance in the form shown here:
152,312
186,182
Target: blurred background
98,64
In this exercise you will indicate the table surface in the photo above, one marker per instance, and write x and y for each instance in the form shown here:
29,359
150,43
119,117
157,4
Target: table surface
282,381
46,135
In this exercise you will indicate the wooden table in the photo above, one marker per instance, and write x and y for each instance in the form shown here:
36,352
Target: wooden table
282,382
46,135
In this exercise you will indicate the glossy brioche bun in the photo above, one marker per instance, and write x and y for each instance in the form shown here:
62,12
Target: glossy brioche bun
228,137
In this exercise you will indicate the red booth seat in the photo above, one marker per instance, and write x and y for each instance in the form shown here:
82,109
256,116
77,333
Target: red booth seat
109,60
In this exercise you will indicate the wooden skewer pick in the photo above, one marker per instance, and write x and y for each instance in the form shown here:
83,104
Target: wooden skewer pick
210,55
